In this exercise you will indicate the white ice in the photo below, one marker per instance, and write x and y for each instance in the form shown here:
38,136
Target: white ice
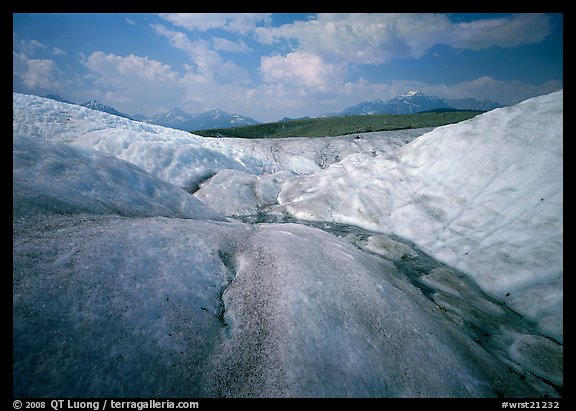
179,157
58,178
484,196
126,285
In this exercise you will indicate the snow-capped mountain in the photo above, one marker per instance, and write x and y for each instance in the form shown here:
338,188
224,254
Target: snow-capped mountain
96,105
93,105
175,118
214,118
415,102
217,118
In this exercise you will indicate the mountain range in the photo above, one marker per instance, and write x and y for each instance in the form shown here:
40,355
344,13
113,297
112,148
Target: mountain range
416,102
409,103
96,105
175,118
214,118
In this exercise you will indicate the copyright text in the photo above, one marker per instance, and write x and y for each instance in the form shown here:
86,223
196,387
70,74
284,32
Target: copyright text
103,404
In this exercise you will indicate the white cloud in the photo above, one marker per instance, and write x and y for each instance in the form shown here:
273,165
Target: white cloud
208,62
129,21
178,40
503,32
112,66
34,48
58,52
132,82
379,38
487,88
39,74
18,62
299,69
135,84
36,44
222,44
353,38
233,22
28,47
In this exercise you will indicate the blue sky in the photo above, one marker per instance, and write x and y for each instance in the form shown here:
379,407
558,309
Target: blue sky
270,66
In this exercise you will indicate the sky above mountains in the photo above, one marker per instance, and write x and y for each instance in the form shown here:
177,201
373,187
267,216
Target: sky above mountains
270,66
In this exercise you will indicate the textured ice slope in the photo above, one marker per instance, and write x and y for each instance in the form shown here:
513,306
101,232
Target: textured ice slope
124,285
484,196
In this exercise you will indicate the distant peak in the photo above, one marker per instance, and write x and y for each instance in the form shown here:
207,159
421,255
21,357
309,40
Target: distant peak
93,103
412,93
176,110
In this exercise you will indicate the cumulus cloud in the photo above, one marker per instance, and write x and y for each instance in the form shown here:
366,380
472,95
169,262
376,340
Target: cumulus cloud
28,47
33,48
132,83
379,38
354,38
112,66
58,52
503,32
208,62
222,44
488,88
233,22
299,69
41,73
36,74
120,80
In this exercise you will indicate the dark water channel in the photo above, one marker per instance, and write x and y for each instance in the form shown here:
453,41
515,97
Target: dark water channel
506,335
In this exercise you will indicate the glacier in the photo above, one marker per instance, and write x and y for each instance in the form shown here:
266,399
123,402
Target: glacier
150,262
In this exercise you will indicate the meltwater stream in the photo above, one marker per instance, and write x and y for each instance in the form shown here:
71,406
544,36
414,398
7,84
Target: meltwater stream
503,333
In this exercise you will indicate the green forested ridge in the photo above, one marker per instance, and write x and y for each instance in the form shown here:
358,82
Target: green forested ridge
341,125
